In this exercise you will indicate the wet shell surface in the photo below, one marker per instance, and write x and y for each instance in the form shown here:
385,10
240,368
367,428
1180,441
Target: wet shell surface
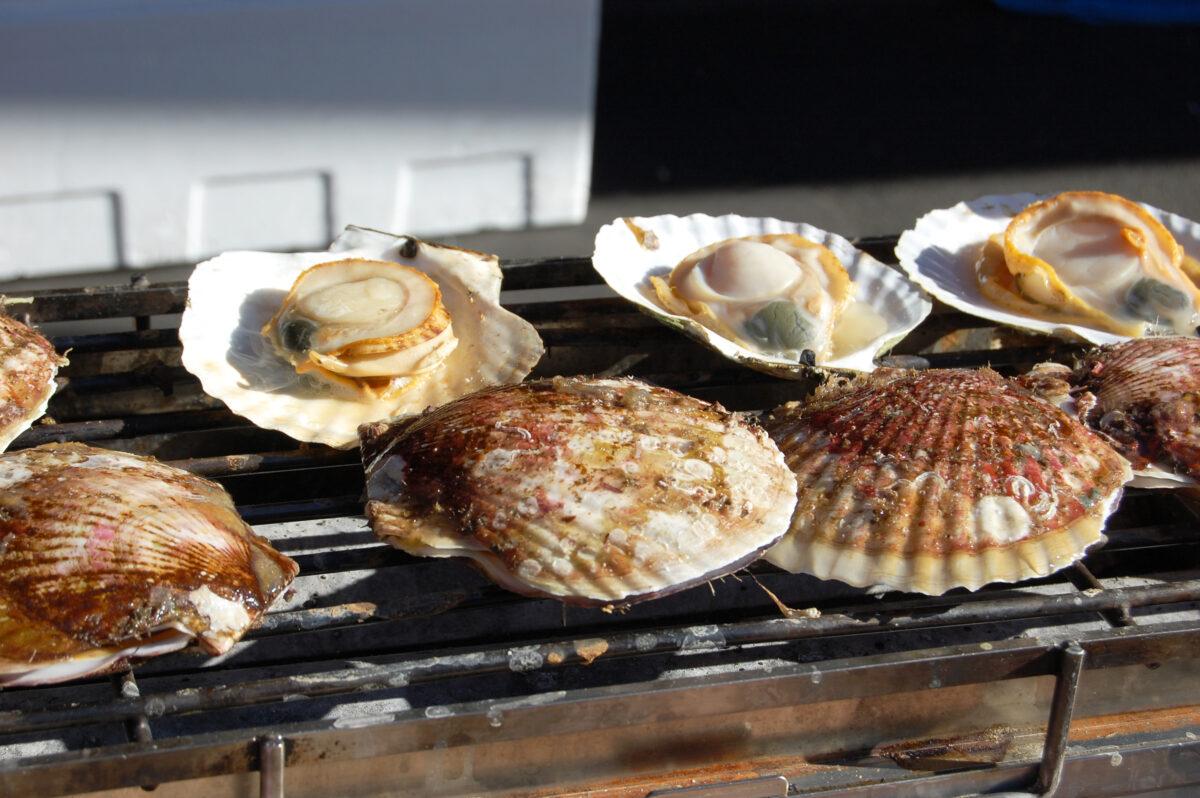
233,297
28,365
592,491
630,253
1145,396
110,557
930,480
942,250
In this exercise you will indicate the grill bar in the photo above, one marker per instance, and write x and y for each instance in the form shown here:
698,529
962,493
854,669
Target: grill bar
386,659
575,652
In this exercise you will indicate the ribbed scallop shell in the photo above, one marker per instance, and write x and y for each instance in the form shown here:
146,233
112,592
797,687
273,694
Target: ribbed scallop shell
926,481
108,556
629,251
28,365
1147,400
940,251
595,492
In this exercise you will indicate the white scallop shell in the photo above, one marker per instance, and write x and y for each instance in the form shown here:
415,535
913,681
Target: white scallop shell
940,251
627,261
231,297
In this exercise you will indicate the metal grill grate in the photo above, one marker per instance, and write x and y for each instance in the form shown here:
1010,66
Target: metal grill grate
383,674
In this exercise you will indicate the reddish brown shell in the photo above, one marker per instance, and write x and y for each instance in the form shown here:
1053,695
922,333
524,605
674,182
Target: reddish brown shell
108,556
1145,395
595,492
931,480
28,365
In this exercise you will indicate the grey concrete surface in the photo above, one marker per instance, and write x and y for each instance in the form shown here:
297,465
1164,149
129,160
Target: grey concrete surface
857,208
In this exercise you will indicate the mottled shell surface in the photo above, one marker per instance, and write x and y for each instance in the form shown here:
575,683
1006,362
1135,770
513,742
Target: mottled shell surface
28,365
926,481
630,251
233,296
941,251
592,491
109,557
1145,396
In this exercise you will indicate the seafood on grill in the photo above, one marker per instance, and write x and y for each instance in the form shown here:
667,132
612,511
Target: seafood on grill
110,557
315,344
28,366
1144,396
929,480
776,296
373,326
597,492
1081,264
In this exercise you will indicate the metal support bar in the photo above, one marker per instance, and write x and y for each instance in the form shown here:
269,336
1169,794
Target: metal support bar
1059,726
271,760
137,726
766,787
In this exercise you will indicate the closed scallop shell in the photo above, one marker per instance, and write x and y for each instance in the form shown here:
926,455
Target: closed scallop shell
110,557
28,365
926,481
591,491
629,251
940,252
1144,395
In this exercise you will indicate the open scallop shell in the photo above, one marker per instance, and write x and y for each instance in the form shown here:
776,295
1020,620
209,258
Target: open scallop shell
232,296
630,250
940,251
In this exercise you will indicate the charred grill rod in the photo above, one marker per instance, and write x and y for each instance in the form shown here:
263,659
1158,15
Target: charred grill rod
562,653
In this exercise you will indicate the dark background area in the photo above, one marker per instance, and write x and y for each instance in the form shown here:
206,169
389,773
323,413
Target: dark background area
701,94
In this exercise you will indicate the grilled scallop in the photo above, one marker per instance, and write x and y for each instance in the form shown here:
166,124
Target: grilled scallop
1095,259
314,344
374,326
110,557
592,491
772,295
28,365
1145,396
779,295
1081,265
926,481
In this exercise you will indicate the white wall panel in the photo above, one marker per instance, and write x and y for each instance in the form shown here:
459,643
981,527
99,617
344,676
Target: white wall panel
138,133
